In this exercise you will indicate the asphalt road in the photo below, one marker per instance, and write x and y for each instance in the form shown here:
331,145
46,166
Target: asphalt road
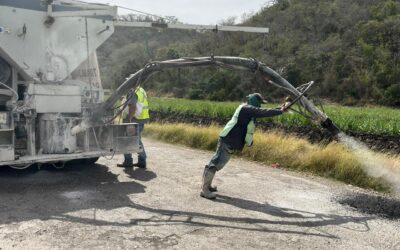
105,207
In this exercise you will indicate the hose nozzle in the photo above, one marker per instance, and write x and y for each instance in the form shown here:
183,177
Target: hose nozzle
328,124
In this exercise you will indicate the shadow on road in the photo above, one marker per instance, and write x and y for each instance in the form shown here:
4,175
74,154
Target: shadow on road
303,219
262,208
55,194
140,174
50,193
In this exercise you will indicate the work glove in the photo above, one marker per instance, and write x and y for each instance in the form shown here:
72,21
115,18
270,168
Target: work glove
285,107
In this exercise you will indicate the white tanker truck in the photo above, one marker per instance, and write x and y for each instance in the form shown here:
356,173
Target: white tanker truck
52,107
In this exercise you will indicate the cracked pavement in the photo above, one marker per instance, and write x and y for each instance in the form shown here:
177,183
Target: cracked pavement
105,207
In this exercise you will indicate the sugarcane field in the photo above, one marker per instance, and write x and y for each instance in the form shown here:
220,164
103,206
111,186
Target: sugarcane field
266,124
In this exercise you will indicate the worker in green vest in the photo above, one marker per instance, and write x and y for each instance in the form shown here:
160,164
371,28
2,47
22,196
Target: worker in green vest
137,112
237,133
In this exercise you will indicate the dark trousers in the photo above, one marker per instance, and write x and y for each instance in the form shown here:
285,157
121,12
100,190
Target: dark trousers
141,155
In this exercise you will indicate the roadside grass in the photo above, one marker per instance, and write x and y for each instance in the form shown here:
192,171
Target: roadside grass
370,120
331,161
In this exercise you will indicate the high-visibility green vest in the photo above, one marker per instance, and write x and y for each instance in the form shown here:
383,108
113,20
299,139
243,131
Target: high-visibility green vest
250,127
142,106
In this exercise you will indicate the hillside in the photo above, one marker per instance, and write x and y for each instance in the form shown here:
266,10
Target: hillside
351,48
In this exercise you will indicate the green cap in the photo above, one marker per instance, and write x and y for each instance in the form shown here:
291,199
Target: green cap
255,100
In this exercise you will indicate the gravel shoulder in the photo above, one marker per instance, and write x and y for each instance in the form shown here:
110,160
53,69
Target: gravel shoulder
258,207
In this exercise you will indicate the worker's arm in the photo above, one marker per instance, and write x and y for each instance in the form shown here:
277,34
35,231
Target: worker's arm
260,112
131,113
132,106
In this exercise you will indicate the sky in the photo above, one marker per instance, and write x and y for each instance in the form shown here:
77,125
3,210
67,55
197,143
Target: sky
191,11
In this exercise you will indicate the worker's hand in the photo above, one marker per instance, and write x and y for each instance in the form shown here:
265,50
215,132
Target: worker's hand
285,107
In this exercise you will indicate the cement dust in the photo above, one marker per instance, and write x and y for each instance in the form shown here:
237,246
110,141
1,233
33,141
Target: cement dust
375,165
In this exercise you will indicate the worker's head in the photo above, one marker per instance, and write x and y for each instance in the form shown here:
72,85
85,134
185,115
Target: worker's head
255,100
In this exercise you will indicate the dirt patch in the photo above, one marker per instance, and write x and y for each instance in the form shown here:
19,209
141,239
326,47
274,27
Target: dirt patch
381,143
373,204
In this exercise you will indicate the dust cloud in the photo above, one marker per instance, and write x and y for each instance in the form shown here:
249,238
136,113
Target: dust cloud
375,165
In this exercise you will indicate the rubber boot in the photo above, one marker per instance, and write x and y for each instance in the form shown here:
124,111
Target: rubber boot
208,177
125,164
141,164
213,189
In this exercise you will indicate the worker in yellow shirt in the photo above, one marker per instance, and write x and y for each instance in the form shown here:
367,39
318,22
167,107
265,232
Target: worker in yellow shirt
137,112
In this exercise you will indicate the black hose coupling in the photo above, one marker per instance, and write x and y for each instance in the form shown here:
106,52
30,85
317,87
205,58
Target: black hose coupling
328,124
254,65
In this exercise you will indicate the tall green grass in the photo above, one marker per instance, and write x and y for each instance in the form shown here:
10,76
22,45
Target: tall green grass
371,120
332,161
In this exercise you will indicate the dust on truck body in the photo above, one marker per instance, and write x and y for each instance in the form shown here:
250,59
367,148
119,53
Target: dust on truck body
50,81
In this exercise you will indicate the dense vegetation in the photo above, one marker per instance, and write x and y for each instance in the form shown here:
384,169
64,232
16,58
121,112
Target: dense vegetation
371,120
351,48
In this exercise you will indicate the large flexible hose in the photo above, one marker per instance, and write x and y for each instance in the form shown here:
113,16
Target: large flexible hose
233,63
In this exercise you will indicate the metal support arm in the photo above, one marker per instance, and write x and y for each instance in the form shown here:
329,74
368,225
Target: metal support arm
198,27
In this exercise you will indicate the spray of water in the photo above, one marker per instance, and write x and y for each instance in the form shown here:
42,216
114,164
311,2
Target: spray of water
375,165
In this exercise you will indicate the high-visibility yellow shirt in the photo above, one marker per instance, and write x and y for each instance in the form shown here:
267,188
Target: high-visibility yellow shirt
142,107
